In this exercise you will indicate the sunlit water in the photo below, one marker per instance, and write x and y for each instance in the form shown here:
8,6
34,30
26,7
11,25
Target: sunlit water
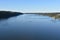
30,27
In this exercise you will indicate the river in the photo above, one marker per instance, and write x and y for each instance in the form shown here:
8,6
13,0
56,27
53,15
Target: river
30,27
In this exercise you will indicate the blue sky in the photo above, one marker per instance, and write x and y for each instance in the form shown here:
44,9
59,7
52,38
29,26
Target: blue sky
30,5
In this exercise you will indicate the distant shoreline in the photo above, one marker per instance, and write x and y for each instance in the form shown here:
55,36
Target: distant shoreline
8,14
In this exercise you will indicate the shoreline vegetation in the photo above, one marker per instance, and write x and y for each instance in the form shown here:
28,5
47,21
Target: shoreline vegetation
8,14
55,15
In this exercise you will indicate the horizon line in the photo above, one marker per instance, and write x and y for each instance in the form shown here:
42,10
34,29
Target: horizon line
33,11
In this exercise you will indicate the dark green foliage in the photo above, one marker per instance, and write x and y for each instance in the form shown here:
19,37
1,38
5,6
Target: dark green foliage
7,14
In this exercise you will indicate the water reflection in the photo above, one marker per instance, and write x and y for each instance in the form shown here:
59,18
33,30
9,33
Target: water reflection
4,17
30,27
52,15
55,16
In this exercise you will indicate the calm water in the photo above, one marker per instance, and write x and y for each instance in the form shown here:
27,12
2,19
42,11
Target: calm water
30,27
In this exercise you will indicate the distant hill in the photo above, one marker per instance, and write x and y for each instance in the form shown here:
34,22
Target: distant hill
7,14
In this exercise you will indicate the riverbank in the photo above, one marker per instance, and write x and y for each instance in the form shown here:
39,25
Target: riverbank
7,14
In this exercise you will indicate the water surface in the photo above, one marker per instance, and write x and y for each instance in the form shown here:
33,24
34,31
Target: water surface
30,27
